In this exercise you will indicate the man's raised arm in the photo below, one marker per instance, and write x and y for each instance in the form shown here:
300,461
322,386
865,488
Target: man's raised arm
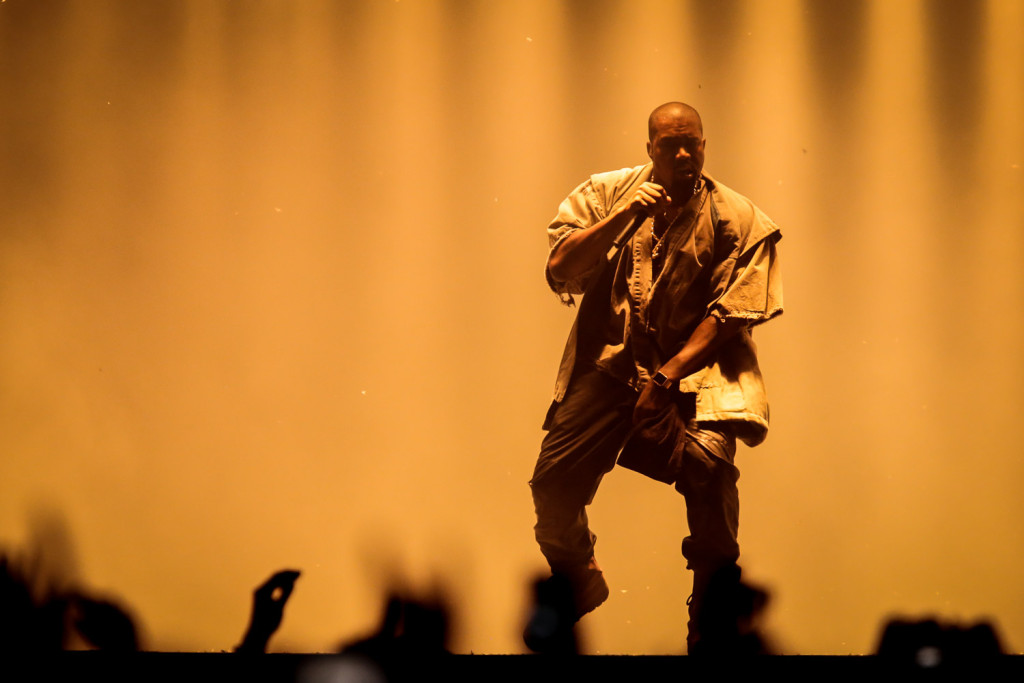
578,252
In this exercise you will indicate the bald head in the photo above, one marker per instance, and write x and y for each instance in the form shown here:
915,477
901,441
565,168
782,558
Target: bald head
676,147
671,111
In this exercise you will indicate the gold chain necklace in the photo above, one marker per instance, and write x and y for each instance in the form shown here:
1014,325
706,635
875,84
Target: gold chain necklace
657,241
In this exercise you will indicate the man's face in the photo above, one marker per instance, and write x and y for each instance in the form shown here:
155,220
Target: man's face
677,150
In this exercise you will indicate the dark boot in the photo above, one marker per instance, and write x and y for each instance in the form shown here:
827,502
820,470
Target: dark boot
724,614
549,629
713,610
559,602
589,589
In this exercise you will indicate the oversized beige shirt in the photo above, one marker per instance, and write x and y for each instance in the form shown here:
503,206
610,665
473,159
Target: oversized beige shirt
719,258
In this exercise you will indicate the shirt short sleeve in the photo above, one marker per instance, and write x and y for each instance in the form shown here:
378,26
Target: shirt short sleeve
579,211
747,285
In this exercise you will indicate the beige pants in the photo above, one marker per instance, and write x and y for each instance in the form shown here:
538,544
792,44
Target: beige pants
585,434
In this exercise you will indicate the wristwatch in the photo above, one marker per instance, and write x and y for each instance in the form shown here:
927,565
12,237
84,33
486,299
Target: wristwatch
661,380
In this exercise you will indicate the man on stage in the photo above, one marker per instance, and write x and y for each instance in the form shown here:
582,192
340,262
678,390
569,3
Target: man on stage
675,269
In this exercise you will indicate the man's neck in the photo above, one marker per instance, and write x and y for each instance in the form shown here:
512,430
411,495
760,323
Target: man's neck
680,193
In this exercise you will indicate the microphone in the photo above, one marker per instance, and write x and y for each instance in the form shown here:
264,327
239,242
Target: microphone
633,226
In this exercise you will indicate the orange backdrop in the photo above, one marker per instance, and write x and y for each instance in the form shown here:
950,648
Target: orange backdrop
271,295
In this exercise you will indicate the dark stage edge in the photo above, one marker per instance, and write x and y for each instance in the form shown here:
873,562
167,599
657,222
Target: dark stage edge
158,666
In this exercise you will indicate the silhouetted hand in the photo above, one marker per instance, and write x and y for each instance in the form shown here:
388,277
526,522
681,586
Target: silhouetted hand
104,624
268,603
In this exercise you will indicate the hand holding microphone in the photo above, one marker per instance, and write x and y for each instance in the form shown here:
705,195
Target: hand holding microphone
648,199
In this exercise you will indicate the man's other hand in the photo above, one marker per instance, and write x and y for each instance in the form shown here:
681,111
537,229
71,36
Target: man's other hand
652,401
